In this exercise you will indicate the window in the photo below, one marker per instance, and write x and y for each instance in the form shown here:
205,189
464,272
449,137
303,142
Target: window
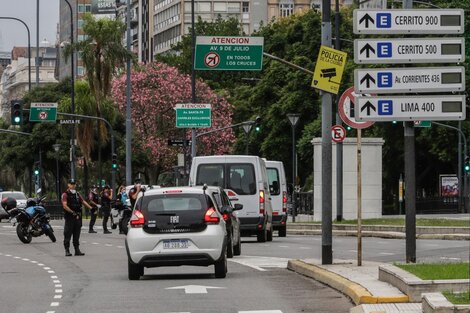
233,7
80,24
87,7
241,178
245,7
80,71
81,8
210,174
203,7
286,8
273,179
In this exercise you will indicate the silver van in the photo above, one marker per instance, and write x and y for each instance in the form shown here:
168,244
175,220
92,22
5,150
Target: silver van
245,181
278,186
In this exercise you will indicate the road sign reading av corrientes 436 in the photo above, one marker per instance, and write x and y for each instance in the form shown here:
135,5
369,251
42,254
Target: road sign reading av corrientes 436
43,112
192,115
229,53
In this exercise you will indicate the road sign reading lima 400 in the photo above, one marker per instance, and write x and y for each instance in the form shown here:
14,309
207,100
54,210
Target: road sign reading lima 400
229,53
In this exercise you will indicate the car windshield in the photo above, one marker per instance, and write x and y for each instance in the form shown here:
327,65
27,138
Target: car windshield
15,195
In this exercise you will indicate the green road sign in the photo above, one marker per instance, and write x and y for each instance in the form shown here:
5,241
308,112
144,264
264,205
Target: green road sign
422,124
43,112
229,53
192,115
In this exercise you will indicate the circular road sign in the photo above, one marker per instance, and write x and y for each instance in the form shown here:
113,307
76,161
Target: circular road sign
346,110
212,59
338,133
43,115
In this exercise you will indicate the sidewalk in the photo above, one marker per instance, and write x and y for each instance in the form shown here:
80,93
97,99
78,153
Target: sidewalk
360,283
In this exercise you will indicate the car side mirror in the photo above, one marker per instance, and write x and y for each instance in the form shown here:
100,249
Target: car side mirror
237,207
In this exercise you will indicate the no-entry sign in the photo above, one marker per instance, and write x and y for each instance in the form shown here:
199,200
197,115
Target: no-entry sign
346,110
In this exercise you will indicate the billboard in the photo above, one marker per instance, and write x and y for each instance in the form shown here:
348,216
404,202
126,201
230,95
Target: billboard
103,7
449,185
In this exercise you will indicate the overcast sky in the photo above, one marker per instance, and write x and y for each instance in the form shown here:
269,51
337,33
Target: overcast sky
13,33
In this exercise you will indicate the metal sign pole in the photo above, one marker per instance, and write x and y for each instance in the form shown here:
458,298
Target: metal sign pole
359,197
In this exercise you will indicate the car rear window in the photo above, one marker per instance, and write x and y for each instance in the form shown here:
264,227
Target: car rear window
238,177
273,176
15,195
173,203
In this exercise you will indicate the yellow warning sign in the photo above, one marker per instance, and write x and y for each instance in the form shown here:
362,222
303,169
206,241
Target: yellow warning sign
329,69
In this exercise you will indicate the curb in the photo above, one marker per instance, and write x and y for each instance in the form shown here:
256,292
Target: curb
357,293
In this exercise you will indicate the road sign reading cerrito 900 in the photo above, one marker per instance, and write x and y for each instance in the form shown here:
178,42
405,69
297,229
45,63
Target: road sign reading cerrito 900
329,69
416,21
192,115
411,108
409,50
410,79
43,112
229,53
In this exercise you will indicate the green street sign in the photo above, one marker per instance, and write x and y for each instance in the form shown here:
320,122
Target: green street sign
43,112
193,115
422,124
229,53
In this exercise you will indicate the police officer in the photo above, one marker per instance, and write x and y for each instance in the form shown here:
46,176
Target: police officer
94,200
106,197
72,204
134,192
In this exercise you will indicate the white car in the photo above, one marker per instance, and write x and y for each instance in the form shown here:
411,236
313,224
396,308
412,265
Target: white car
176,226
20,198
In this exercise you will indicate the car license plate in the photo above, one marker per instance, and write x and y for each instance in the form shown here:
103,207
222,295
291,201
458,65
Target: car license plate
176,244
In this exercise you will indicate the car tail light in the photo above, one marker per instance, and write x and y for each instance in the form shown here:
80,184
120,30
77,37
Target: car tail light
211,216
137,219
230,193
284,201
225,216
261,202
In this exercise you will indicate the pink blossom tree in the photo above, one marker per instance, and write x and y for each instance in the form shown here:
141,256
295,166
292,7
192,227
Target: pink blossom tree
156,89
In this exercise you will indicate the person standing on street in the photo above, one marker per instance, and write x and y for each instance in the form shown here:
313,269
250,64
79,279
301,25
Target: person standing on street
72,204
93,199
106,197
134,192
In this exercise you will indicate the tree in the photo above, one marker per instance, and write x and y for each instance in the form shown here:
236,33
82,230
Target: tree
156,89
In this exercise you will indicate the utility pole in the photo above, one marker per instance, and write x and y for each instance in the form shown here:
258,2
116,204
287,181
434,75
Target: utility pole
128,101
37,44
193,79
326,161
410,181
339,145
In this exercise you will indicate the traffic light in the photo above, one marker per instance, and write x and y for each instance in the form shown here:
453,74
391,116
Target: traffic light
467,165
36,172
16,112
114,161
258,123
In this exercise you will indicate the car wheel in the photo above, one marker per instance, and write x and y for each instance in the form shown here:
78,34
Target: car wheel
229,247
221,265
282,231
270,234
261,235
237,249
134,270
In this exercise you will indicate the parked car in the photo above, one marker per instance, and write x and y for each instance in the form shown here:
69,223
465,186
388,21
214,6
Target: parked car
229,213
176,226
245,181
278,188
20,198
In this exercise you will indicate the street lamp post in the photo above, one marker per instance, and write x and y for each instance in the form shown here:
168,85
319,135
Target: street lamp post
57,187
293,119
29,46
72,96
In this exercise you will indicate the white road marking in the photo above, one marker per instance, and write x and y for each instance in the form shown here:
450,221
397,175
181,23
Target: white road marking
108,245
194,288
283,246
58,297
58,285
263,311
305,248
54,303
54,277
452,259
58,291
47,268
258,262
51,272
56,281
386,253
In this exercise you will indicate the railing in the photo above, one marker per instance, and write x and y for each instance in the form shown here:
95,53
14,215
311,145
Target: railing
304,203
437,205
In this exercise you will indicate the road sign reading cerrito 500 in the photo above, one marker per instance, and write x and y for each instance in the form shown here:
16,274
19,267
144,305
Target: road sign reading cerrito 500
43,112
192,115
229,53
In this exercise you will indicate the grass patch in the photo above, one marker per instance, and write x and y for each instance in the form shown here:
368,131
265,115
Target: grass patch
458,298
401,222
429,271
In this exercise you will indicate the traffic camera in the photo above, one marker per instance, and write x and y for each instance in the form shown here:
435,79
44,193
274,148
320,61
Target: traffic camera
16,112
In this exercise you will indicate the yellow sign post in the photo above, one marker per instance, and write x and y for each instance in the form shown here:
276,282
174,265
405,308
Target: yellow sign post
329,69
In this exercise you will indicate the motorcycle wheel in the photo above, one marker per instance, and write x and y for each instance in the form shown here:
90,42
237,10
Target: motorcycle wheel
50,233
22,232
124,224
113,224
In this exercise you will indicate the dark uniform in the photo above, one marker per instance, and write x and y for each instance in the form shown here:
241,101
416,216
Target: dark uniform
93,197
73,221
106,197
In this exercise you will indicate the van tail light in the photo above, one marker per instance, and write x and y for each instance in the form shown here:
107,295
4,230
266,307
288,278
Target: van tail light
211,216
261,202
137,219
284,201
225,216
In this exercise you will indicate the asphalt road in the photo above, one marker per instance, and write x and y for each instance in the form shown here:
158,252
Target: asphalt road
38,278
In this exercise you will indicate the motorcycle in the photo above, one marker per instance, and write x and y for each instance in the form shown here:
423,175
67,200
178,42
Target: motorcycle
120,216
32,221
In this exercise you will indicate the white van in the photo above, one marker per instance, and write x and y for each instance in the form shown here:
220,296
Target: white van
245,181
278,190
